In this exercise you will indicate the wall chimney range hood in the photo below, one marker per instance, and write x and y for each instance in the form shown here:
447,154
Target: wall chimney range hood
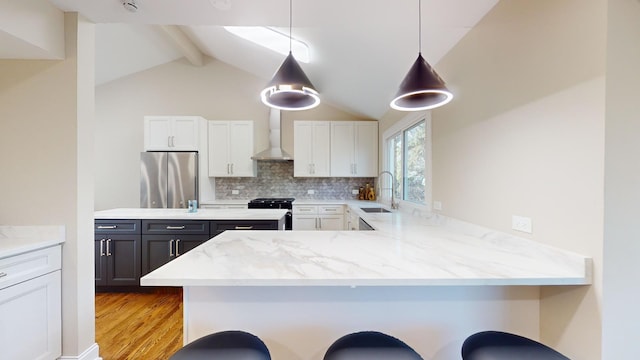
275,151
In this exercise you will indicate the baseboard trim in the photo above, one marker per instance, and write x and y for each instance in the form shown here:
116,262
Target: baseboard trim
92,353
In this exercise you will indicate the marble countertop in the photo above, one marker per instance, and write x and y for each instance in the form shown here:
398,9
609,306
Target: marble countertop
183,214
406,250
15,240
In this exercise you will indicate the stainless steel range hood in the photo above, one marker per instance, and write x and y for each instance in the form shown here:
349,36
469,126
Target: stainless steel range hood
275,151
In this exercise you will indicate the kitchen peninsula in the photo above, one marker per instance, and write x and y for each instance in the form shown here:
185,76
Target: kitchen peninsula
430,281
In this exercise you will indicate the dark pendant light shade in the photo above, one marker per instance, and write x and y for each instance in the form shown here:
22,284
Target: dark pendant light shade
290,88
421,89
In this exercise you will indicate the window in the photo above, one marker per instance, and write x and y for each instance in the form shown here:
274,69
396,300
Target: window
408,159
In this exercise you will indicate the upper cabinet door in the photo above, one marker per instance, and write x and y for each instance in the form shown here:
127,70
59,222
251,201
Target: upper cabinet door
185,134
343,147
230,146
366,149
171,133
312,144
354,148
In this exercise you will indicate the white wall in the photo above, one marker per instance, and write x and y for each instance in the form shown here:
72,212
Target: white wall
524,135
215,91
620,315
46,131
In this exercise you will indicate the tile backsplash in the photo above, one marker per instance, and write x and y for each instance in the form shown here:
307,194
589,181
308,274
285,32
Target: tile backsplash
275,179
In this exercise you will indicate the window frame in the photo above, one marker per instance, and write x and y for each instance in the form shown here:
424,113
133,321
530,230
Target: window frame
407,122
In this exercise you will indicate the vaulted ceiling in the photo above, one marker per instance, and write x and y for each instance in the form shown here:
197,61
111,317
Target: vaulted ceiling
360,49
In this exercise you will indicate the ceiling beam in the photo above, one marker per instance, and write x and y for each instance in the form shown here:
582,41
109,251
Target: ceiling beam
184,44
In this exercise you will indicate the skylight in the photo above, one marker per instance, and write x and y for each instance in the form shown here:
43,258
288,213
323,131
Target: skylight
272,39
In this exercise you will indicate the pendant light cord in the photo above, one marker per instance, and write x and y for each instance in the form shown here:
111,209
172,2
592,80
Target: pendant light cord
290,22
420,26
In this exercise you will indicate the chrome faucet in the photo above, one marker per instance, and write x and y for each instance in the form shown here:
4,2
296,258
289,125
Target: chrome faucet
394,205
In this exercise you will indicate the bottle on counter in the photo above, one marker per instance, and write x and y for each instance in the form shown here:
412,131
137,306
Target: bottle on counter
361,193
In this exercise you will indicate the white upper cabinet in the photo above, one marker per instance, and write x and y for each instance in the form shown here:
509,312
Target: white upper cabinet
171,133
312,143
354,148
230,147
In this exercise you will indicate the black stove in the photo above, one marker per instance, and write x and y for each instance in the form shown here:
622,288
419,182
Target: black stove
271,203
275,203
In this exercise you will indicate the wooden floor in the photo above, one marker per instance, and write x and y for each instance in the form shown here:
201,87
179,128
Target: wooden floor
145,326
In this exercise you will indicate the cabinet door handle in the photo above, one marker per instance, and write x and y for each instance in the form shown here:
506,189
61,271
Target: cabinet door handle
173,141
3,274
355,169
102,247
320,221
107,226
177,248
168,141
244,227
171,247
175,227
231,168
108,247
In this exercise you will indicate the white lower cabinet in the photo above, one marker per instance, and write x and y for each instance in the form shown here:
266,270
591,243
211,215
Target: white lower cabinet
318,217
31,305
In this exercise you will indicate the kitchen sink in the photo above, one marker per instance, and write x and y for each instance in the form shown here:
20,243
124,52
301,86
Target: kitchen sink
374,210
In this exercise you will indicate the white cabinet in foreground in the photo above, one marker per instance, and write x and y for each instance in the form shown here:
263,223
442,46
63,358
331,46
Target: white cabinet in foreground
230,149
318,217
30,305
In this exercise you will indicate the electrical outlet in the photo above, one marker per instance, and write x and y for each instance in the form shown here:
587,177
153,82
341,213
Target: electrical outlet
311,192
235,192
437,205
355,192
521,223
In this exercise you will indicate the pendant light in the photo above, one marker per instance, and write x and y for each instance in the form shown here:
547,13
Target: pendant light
422,88
290,88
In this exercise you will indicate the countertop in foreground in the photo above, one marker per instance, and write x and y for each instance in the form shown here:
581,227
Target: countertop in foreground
405,251
15,240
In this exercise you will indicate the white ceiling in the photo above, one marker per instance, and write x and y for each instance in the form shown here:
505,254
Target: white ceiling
360,49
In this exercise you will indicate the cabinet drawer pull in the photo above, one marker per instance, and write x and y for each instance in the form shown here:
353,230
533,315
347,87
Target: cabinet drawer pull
244,227
175,227
177,248
107,226
2,274
102,247
108,247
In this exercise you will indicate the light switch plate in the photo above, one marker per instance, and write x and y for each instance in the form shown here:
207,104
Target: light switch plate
355,192
521,223
311,192
235,192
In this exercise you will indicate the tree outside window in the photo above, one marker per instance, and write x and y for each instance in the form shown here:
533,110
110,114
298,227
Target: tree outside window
407,163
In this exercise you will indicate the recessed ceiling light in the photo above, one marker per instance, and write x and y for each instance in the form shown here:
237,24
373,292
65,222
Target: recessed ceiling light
130,5
221,4
272,39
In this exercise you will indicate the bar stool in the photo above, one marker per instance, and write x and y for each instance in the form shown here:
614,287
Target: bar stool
370,345
496,345
225,345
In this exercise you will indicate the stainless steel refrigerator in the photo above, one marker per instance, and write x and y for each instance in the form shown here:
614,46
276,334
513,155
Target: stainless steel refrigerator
168,179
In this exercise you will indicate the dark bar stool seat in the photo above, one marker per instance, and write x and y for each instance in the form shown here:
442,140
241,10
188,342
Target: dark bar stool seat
370,345
497,345
225,345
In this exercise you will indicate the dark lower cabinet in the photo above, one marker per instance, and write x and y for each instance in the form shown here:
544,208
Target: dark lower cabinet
217,227
165,240
158,250
117,252
125,250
